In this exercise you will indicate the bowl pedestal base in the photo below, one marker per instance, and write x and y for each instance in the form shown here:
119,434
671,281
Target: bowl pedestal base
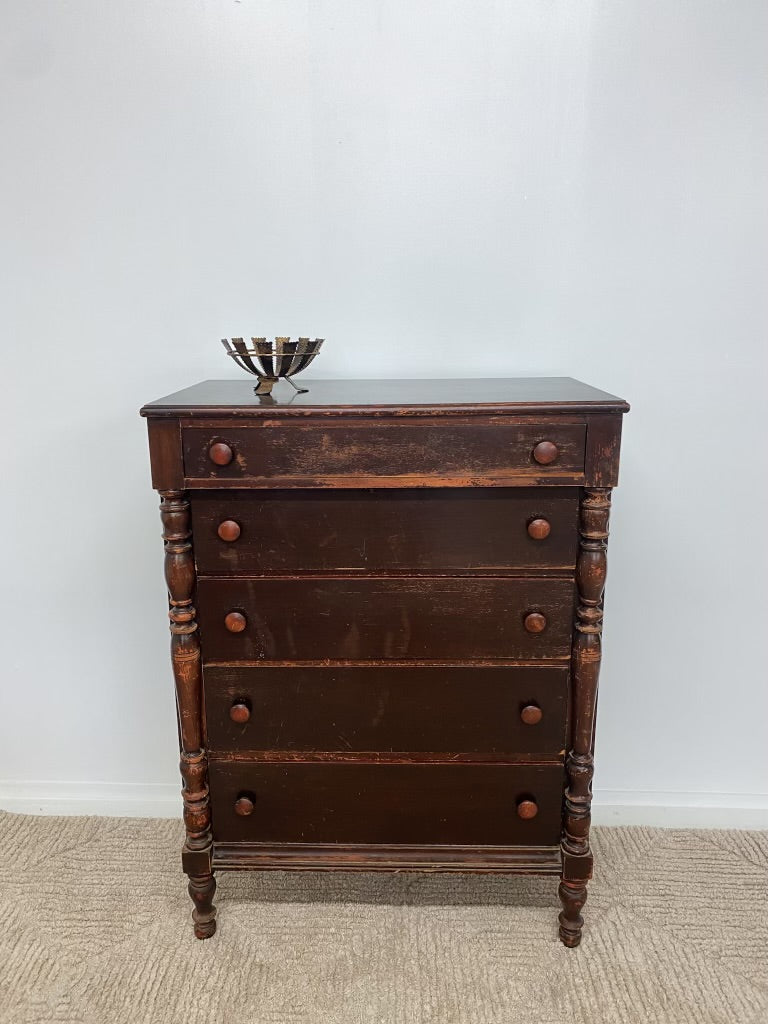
265,385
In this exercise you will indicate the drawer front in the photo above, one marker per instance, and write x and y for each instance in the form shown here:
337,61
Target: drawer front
427,530
351,619
427,452
492,710
466,804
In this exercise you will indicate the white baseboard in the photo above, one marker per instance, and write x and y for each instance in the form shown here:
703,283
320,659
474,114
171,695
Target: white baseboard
680,810
110,800
611,807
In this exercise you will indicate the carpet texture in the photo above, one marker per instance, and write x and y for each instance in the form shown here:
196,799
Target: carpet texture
96,930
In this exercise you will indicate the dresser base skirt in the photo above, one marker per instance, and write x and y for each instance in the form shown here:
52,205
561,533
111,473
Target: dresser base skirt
520,860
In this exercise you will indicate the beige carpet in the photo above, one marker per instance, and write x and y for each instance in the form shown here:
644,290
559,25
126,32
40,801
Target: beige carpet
96,930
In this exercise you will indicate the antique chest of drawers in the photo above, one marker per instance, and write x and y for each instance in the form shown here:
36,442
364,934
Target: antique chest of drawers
386,608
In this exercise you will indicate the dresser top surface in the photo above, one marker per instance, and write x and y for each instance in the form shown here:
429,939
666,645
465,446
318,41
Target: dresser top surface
388,397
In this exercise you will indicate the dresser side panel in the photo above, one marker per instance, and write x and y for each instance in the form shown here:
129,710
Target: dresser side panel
601,467
165,454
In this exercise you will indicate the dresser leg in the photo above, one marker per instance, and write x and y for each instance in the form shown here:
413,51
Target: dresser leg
594,511
202,889
573,896
187,674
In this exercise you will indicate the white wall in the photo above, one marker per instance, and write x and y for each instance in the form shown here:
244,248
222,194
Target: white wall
528,188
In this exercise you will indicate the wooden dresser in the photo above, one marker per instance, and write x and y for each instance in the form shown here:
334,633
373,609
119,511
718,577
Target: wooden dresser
386,608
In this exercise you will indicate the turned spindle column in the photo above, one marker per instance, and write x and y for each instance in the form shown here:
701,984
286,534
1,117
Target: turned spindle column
187,673
594,511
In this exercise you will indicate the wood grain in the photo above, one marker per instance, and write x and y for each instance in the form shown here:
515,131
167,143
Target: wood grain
470,530
407,709
387,803
389,453
382,618
591,569
186,661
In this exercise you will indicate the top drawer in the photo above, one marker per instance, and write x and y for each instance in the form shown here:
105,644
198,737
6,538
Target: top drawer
432,452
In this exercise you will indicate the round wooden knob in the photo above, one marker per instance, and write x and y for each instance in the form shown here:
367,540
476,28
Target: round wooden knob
535,622
235,622
229,530
539,529
244,805
526,809
240,712
545,452
220,453
531,714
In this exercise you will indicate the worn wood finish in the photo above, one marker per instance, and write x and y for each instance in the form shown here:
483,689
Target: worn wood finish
413,532
418,710
590,581
602,456
352,619
434,804
394,661
393,454
185,657
520,860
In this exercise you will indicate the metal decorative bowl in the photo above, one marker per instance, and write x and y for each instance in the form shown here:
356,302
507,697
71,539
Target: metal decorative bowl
271,360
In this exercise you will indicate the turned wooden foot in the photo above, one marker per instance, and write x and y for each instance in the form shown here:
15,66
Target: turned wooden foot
573,896
201,889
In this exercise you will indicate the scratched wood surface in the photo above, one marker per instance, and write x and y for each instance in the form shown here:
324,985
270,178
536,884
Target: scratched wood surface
362,618
392,453
427,531
447,710
386,803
